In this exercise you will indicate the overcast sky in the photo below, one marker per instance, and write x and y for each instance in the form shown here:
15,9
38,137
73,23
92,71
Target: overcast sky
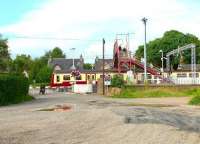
90,21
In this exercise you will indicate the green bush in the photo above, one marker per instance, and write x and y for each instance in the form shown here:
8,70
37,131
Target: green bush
196,97
44,75
195,100
117,81
13,88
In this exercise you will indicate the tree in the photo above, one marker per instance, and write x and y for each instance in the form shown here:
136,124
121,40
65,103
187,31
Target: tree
22,63
55,53
37,65
87,66
171,40
40,65
44,75
4,54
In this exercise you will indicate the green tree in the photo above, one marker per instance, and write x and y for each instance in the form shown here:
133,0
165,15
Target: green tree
37,65
4,54
44,75
171,40
42,63
55,53
87,66
22,63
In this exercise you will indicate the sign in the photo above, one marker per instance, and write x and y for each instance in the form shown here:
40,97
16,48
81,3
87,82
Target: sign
107,83
107,80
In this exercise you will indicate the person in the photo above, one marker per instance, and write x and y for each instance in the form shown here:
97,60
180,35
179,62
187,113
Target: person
42,89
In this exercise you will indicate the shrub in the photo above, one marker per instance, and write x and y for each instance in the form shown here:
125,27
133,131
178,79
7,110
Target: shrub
44,75
13,88
195,100
117,81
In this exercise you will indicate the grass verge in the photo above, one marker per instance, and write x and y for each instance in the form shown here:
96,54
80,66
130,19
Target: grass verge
155,92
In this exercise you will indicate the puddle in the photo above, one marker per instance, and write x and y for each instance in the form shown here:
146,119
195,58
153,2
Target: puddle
57,108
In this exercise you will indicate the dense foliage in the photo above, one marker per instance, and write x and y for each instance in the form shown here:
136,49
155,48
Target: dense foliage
13,88
44,75
4,55
195,100
117,81
55,53
87,66
170,41
196,97
37,69
21,63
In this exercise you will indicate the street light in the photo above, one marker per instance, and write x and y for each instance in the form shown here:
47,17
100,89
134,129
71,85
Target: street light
145,53
73,66
162,59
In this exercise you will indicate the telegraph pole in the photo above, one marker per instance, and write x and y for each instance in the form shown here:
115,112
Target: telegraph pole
103,67
145,50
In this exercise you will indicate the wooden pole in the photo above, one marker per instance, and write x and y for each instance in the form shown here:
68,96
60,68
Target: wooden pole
103,67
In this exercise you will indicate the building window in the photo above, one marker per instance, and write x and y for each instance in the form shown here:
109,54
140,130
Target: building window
66,77
181,75
78,77
197,75
88,77
93,77
57,68
58,78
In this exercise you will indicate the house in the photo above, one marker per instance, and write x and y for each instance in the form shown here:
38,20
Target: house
63,70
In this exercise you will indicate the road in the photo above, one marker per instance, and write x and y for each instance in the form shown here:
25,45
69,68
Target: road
98,120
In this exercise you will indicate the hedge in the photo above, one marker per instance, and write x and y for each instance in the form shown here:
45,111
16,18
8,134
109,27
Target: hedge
13,88
117,81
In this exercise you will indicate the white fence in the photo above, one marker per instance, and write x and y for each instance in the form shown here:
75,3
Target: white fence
186,81
84,88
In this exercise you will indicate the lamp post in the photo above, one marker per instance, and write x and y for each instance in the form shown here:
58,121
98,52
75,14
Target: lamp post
73,66
145,53
162,59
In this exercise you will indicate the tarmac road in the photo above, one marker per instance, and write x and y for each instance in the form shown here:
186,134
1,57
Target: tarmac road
99,120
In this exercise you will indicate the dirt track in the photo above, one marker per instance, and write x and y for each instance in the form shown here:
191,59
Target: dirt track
94,119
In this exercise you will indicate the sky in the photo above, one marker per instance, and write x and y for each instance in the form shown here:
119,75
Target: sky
82,24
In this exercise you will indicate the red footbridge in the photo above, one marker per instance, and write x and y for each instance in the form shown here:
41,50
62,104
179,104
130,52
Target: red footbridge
123,61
